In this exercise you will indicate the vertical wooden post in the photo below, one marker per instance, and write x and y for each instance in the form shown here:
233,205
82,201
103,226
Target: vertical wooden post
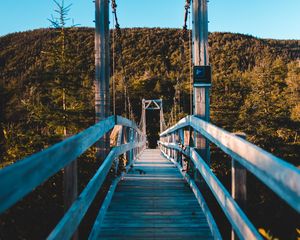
119,142
177,153
182,137
131,139
144,117
238,184
172,141
161,116
201,103
70,188
102,61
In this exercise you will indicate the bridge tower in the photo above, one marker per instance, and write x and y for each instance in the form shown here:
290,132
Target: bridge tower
102,74
154,104
201,71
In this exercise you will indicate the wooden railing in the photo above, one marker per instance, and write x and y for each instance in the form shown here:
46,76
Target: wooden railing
19,179
280,176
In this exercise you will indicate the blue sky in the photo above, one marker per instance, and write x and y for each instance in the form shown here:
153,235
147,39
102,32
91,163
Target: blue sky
278,19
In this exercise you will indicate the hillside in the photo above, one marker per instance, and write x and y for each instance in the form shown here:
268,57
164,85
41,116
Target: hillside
153,60
255,89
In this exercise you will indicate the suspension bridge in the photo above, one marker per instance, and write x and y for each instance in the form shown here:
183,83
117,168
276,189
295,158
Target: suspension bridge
158,195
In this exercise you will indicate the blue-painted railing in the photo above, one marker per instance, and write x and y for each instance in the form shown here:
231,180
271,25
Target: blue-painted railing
19,179
280,176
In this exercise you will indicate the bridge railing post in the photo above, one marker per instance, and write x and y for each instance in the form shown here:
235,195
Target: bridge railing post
238,183
176,140
169,150
181,140
131,139
127,140
136,139
119,142
173,141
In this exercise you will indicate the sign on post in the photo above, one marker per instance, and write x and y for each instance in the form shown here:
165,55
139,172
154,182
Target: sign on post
202,76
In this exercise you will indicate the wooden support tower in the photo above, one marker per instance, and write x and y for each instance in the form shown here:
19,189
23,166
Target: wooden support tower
102,74
201,103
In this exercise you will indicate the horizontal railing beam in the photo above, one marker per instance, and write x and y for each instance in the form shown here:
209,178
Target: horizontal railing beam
127,123
69,223
19,179
239,221
281,177
96,230
181,124
22,177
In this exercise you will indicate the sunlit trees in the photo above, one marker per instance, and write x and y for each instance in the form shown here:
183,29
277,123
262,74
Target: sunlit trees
264,114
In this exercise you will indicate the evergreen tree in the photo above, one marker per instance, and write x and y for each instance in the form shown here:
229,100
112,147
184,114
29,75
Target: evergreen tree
264,114
228,93
293,89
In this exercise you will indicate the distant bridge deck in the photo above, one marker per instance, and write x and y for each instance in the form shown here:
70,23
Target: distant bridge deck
154,202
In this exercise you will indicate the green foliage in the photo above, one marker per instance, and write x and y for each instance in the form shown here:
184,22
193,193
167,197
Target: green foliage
293,89
249,84
53,101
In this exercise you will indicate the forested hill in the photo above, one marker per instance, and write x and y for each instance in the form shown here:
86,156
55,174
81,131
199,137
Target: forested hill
245,68
21,53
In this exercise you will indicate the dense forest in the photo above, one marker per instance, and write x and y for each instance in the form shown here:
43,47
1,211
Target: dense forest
255,87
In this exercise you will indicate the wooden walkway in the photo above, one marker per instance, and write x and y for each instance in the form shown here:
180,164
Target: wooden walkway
154,202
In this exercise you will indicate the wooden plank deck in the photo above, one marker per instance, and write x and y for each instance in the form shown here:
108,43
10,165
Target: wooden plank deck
154,202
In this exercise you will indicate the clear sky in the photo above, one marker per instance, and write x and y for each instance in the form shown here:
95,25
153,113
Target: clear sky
278,19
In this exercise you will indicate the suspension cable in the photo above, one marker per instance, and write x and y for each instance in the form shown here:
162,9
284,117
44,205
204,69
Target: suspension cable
190,66
113,69
186,13
119,49
186,37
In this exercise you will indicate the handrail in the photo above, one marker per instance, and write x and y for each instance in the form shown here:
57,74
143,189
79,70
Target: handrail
127,123
239,221
20,178
280,176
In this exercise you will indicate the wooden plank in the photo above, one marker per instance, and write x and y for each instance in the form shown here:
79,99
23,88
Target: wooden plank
21,178
143,207
153,233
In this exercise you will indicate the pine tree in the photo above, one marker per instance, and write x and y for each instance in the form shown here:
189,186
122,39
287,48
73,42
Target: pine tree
264,115
293,89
